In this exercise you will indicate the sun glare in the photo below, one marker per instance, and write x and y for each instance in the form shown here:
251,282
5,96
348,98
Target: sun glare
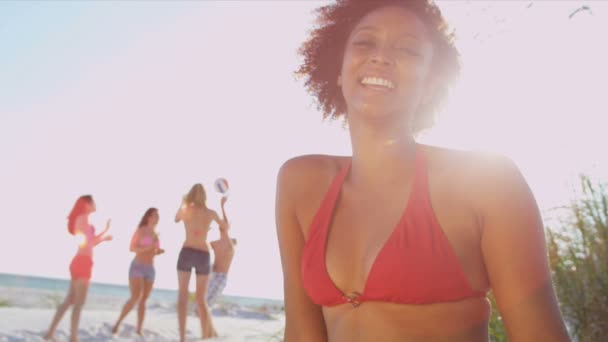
80,239
530,86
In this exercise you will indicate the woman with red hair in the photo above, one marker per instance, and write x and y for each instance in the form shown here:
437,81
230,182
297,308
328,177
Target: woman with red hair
81,265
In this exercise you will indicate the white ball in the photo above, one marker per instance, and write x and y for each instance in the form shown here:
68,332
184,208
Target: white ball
221,185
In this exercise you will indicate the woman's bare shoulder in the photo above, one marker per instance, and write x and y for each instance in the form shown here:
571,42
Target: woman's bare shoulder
311,169
471,163
207,212
477,175
302,181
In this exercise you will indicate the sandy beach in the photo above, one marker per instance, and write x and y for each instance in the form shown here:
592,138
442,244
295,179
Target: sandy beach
26,312
21,324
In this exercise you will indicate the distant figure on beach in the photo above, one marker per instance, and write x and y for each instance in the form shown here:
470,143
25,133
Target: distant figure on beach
195,255
81,265
146,245
402,241
223,253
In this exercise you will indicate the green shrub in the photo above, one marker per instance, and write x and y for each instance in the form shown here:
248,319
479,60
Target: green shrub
496,328
578,254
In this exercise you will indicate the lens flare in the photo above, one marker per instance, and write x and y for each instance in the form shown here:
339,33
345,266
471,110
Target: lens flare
81,240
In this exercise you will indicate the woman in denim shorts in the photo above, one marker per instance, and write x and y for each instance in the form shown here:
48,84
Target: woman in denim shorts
146,245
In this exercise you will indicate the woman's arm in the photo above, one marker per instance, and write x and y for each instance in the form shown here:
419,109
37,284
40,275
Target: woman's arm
178,215
101,237
158,250
514,252
303,319
222,203
222,222
106,228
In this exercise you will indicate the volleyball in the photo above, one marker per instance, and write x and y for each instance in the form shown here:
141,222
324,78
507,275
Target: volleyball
221,185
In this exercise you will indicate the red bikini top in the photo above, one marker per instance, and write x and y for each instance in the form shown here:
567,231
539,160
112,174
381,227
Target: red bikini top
416,265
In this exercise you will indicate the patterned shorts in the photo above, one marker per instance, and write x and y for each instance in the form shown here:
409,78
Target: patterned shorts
217,283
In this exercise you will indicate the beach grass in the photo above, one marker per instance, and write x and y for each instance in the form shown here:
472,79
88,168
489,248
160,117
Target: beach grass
578,251
496,327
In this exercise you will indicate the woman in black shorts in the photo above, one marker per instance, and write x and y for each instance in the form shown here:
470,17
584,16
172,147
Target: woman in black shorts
197,218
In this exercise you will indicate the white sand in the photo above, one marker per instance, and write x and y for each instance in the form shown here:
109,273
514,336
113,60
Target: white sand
29,324
25,314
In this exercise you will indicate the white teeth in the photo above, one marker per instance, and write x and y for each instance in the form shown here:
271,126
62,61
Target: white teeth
378,82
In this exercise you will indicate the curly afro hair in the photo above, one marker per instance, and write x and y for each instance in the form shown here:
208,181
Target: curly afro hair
324,50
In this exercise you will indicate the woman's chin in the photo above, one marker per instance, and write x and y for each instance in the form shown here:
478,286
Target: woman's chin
376,110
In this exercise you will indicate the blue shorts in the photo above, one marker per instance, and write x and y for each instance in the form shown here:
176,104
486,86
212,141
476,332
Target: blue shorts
139,270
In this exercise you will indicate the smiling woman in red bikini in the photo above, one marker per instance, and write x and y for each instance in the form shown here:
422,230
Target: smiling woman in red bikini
402,241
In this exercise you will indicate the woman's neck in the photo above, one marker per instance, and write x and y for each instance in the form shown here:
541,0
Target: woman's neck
382,150
198,205
146,227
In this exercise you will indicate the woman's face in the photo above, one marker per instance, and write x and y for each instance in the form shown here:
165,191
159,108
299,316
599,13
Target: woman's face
153,219
386,63
92,207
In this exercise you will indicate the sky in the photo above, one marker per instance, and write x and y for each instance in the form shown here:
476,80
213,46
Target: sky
135,101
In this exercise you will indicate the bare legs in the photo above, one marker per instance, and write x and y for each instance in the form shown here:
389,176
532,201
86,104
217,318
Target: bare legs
141,309
183,279
208,330
81,288
76,296
61,309
135,285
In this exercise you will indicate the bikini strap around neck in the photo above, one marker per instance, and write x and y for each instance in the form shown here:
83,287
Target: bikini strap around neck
336,185
321,220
